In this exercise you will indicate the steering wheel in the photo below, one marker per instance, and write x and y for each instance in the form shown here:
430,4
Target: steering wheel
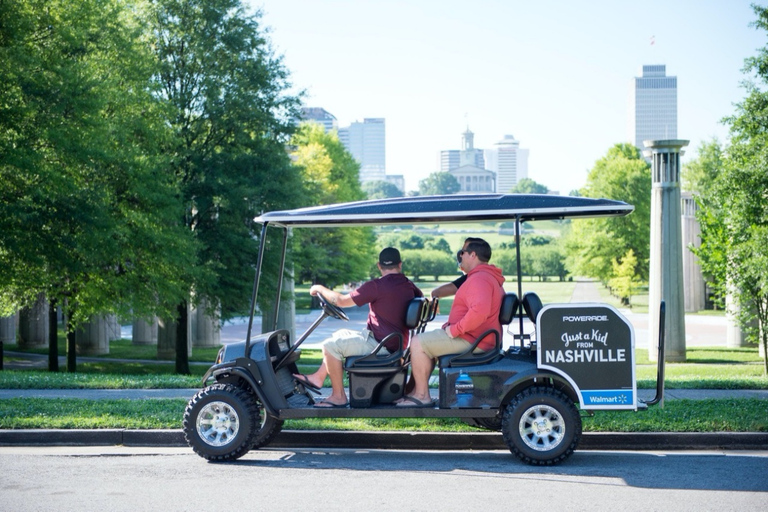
332,309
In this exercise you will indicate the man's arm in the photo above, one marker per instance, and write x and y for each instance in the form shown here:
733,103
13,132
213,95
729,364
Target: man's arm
335,298
444,290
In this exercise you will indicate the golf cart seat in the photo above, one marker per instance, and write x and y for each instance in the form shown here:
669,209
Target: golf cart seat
509,306
532,306
380,377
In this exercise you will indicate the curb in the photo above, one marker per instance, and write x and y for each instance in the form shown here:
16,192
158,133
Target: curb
294,439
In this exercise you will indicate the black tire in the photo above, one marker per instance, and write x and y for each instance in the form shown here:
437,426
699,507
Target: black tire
269,427
541,426
493,424
221,422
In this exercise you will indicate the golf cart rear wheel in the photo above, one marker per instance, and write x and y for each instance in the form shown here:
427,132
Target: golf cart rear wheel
221,422
541,426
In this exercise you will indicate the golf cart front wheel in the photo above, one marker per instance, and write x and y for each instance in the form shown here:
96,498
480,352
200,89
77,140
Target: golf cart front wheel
221,422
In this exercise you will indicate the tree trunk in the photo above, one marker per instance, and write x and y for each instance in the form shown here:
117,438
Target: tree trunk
182,356
53,337
71,346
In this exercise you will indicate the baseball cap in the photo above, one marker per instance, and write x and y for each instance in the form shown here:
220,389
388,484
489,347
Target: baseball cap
389,256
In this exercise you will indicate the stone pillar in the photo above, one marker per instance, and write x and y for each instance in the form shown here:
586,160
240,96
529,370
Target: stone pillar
33,324
286,318
166,339
693,279
734,336
8,330
93,337
205,328
666,276
144,333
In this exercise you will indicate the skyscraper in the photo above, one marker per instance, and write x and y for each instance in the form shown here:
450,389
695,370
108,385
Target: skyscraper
653,108
321,116
366,142
509,162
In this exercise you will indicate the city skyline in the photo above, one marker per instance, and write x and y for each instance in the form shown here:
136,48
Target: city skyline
558,76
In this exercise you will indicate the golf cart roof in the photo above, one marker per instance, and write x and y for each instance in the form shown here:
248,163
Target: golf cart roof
445,209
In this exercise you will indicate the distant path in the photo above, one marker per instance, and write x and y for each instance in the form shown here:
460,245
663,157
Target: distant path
586,291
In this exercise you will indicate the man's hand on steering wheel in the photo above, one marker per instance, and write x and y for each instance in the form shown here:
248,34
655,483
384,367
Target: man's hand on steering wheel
332,309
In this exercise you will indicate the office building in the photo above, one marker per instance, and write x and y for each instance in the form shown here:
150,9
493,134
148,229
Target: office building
366,142
509,162
653,106
320,116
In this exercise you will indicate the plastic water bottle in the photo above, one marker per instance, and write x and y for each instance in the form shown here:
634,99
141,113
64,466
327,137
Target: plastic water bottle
464,387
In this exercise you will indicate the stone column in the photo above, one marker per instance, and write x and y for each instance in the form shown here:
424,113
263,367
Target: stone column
205,328
93,337
166,339
8,330
666,276
33,324
693,279
144,333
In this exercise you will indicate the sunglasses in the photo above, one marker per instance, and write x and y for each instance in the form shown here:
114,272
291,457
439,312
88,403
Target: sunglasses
460,254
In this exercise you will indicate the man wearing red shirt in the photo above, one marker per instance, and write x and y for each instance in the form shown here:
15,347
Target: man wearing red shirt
475,310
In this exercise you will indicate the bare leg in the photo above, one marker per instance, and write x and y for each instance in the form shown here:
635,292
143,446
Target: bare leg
421,368
318,378
336,372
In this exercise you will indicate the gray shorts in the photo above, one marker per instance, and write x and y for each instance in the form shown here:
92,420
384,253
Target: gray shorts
437,343
346,342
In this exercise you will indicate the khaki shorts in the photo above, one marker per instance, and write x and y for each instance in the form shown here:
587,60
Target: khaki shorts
345,342
437,343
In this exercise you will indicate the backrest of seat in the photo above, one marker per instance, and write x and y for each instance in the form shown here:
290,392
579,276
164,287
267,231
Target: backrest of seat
414,312
532,305
509,306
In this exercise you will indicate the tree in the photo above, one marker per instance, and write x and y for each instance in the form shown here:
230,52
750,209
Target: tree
593,244
528,186
439,183
330,174
228,113
624,278
381,190
87,217
734,212
698,175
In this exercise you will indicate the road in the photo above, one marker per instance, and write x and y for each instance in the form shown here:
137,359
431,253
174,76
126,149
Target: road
171,479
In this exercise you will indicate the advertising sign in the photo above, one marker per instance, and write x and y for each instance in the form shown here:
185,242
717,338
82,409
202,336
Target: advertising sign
593,347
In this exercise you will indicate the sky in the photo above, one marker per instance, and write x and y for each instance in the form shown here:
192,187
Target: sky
556,75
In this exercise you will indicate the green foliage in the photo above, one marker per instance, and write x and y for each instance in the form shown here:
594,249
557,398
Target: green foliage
734,208
427,262
593,244
228,115
698,175
87,216
624,278
408,239
330,174
528,186
439,183
381,189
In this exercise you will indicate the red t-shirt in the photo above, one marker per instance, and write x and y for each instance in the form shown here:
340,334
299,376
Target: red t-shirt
388,297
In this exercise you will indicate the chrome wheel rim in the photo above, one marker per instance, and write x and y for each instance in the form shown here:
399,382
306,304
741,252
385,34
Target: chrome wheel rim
218,423
542,428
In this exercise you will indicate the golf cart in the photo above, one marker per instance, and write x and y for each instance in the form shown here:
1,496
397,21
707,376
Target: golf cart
577,353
